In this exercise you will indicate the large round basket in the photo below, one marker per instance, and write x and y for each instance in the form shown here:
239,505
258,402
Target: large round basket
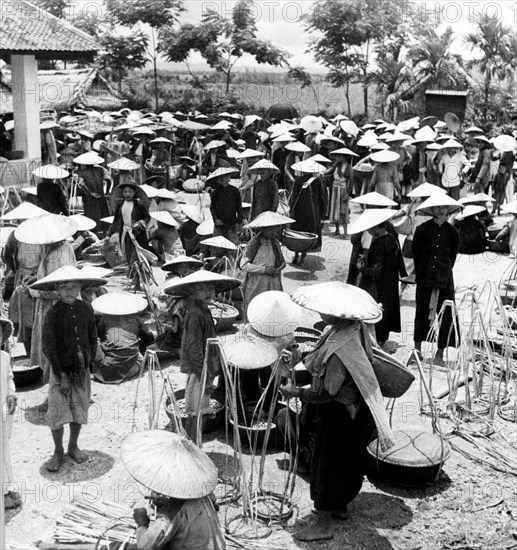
253,426
26,376
212,423
393,377
224,316
299,241
415,460
500,247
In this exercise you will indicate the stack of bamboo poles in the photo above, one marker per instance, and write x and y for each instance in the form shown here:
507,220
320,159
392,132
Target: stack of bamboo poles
87,520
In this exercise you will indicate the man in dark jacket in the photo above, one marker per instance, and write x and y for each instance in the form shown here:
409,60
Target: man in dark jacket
435,247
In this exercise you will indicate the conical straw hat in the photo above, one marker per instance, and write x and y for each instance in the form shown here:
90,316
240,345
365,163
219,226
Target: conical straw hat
192,212
284,138
220,172
119,303
269,219
349,126
193,185
51,172
206,227
83,222
94,271
221,283
339,300
89,158
510,207
473,130
452,144
470,210
25,211
163,216
166,194
67,273
373,199
425,134
308,167
45,229
171,265
319,159
505,143
425,189
219,242
264,164
250,153
344,151
478,197
370,218
124,163
248,351
273,314
149,190
439,199
298,147
384,156
311,124
168,464
214,144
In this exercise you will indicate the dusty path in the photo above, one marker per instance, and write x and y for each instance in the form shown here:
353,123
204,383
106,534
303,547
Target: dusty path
471,507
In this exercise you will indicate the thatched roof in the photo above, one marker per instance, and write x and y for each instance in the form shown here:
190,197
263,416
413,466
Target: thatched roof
62,89
29,30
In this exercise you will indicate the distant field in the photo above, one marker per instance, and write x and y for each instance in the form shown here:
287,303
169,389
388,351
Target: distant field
263,90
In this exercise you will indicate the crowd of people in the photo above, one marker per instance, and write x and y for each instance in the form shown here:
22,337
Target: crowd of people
212,205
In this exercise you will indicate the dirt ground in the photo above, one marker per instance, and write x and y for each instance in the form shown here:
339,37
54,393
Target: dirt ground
471,506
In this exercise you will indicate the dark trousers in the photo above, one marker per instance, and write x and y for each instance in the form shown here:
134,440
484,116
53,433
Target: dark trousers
339,457
446,336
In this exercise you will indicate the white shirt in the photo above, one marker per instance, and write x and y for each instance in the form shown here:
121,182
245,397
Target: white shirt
451,167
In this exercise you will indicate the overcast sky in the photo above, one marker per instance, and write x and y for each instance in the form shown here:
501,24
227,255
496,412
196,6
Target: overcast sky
279,22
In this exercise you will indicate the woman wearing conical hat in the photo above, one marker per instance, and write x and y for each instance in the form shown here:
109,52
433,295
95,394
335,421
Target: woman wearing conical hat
263,260
349,399
181,478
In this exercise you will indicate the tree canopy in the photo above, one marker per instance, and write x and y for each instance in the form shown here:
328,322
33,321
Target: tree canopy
220,41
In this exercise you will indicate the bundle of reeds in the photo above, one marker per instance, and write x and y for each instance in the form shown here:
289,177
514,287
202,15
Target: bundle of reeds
88,519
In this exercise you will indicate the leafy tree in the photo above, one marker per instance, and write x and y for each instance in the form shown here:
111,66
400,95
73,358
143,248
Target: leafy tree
495,45
121,54
346,35
300,75
155,13
221,42
56,7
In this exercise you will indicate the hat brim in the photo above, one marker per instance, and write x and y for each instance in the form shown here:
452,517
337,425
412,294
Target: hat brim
53,285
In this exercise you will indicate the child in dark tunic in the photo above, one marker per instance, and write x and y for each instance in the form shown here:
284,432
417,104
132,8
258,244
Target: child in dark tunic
69,342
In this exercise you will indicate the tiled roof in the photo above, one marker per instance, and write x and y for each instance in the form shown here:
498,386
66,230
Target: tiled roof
28,29
61,89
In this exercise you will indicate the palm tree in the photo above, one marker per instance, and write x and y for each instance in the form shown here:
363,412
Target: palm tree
434,65
391,79
495,43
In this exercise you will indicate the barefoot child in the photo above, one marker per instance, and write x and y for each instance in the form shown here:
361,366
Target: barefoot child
69,342
201,289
